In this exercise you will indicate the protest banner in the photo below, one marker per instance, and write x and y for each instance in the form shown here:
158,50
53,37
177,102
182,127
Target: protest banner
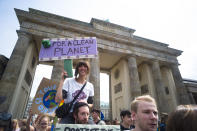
68,48
86,127
44,100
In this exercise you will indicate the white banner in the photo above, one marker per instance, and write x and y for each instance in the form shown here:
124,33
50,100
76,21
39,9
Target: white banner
86,127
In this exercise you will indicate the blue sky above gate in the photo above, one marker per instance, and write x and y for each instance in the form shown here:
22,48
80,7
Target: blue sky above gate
169,21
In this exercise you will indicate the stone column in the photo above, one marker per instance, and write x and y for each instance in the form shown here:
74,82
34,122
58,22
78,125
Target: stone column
10,79
192,101
150,81
159,86
182,95
134,77
110,98
94,78
57,70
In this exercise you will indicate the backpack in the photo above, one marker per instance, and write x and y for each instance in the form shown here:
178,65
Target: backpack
5,121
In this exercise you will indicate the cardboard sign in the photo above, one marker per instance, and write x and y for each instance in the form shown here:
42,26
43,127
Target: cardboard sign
63,48
84,127
68,67
44,100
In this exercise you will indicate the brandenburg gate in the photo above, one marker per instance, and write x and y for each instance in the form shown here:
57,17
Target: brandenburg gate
136,65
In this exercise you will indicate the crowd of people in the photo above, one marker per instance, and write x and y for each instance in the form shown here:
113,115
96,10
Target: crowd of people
143,115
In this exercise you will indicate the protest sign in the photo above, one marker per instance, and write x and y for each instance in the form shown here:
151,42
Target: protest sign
44,100
68,67
71,48
86,127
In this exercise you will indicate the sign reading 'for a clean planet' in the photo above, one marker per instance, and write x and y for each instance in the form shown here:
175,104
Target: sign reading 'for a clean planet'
71,48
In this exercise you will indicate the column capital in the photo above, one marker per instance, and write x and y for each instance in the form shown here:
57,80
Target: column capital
23,34
131,55
174,64
154,60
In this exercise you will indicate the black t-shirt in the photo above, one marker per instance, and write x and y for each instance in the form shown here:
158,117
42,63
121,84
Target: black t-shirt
122,128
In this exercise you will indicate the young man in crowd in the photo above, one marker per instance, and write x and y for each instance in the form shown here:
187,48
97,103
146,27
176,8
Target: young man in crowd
126,120
81,113
144,113
96,117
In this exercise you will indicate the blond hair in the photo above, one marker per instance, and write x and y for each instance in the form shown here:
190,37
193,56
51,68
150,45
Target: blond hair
137,100
42,117
15,121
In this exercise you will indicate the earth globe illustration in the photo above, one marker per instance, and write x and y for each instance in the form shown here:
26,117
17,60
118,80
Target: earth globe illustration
49,99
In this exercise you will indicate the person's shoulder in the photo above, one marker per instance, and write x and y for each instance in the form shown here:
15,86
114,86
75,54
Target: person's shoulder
89,84
121,127
102,122
91,122
70,79
49,128
32,128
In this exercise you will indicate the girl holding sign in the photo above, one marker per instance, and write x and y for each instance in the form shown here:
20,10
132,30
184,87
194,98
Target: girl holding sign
70,87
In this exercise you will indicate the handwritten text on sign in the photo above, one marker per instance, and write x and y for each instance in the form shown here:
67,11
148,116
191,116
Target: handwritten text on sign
69,49
86,127
44,100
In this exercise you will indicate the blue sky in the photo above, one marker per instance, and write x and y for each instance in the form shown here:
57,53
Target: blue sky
169,21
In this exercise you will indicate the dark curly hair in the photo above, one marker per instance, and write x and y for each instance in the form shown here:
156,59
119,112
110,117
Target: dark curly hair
77,106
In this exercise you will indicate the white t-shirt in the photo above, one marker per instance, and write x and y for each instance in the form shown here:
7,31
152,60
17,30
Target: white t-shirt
73,87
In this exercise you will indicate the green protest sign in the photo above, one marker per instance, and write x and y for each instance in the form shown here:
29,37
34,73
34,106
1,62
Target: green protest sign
68,67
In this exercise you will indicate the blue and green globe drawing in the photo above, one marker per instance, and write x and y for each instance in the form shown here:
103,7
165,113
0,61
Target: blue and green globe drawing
49,99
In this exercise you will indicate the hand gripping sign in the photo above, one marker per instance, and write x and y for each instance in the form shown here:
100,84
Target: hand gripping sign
68,48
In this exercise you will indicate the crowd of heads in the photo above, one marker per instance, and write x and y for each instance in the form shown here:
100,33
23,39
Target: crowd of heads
142,116
41,123
19,124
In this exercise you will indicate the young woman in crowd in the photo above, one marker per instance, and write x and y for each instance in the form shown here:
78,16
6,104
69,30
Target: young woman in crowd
15,126
42,124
